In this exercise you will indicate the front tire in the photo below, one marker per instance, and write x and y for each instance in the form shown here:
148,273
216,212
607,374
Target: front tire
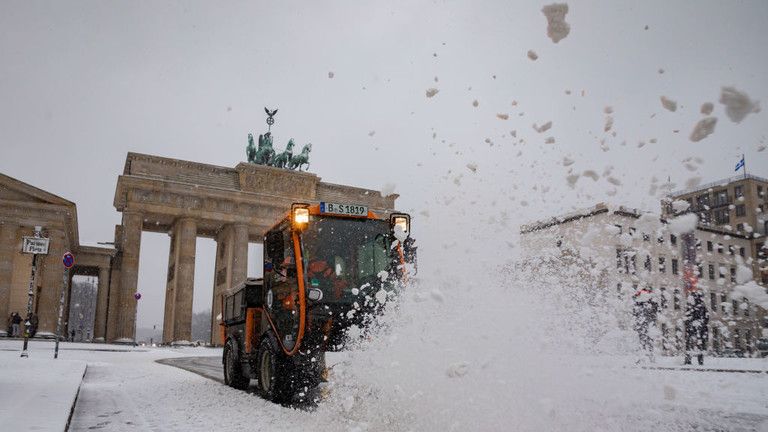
233,369
274,372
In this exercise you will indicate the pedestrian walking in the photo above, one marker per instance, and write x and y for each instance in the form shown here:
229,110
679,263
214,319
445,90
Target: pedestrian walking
15,324
645,310
33,322
696,330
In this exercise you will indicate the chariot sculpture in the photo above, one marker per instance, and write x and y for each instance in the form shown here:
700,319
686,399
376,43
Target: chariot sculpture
265,154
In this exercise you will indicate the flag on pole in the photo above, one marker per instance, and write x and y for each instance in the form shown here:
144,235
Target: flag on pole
740,164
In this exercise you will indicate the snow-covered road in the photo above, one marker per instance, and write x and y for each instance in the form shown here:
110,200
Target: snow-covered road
127,389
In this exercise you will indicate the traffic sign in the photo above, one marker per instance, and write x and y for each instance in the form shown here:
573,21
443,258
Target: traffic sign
69,260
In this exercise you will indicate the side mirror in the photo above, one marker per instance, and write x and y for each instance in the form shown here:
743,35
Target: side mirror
315,294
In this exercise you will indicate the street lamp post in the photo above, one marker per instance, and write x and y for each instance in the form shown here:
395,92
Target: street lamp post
35,245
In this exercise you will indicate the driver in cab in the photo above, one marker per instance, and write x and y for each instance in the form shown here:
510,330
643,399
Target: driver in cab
321,274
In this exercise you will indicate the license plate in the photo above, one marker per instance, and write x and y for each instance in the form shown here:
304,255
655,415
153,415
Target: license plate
343,209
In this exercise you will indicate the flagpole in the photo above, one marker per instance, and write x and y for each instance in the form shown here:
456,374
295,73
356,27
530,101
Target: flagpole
745,166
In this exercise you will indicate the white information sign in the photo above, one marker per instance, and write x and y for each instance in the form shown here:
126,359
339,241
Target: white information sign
35,245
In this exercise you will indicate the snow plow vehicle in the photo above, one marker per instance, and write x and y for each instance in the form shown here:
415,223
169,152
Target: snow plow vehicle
327,267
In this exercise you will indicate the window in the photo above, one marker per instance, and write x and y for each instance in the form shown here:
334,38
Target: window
712,271
721,272
712,302
746,306
759,191
672,239
618,259
676,299
715,339
663,297
702,200
675,269
618,288
723,302
741,210
737,339
646,237
730,250
733,274
741,251
719,248
740,227
662,268
738,191
721,197
748,340
647,264
632,231
619,227
722,216
709,246
660,240
735,306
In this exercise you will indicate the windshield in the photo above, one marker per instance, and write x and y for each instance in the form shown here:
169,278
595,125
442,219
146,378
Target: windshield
345,257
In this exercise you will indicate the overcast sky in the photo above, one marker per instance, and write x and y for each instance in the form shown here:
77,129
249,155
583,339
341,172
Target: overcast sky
83,83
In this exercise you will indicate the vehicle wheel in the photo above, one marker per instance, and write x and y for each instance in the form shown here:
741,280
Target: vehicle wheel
233,370
274,372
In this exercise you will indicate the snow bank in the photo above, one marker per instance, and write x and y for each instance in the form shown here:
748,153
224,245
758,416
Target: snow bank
37,393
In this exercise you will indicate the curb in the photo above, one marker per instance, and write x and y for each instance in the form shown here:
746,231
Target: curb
74,401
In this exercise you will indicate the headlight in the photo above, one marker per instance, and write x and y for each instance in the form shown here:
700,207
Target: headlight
300,215
401,222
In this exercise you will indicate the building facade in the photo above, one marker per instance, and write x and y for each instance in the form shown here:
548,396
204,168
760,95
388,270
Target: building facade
736,205
633,250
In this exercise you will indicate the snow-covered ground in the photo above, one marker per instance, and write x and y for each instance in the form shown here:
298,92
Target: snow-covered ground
126,389
36,393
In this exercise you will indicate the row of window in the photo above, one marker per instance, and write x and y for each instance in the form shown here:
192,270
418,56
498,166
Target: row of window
716,340
732,308
720,248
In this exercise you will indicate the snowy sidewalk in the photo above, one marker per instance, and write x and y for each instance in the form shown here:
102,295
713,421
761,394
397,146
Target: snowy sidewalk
38,392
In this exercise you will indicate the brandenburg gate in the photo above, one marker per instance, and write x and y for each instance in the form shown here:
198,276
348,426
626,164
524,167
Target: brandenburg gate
186,200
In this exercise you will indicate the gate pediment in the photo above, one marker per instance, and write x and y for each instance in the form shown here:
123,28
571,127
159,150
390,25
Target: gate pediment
277,181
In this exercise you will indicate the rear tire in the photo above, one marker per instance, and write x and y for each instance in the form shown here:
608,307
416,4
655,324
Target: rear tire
233,369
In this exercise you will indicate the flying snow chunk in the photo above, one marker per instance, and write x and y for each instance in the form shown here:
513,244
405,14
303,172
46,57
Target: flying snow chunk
753,292
549,140
431,92
737,104
567,161
591,174
371,133
388,189
330,74
706,108
457,370
704,128
680,206
683,224
532,55
557,28
472,167
668,104
543,128
502,116
692,182
608,123
437,295
475,103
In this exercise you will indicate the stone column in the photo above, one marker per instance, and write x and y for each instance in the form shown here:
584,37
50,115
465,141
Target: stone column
170,289
239,254
8,249
129,276
102,295
219,285
50,282
186,231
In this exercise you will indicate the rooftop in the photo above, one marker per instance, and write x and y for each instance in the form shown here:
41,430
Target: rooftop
719,183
